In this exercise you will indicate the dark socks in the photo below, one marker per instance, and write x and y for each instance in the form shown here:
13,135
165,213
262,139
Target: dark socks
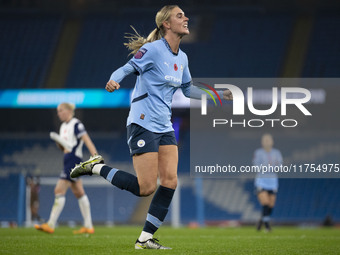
266,212
265,218
121,179
270,211
158,209
159,205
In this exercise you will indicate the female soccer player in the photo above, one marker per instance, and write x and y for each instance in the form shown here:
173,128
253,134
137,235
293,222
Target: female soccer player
70,140
267,184
162,68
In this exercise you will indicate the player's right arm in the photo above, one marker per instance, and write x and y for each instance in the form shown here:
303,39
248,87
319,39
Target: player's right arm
141,62
61,143
117,76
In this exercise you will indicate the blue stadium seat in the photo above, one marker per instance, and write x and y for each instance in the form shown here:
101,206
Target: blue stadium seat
27,44
100,49
323,56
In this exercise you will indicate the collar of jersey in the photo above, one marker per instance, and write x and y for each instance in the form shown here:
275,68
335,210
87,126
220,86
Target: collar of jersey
168,46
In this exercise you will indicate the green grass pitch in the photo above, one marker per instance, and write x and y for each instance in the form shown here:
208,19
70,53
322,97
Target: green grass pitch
209,240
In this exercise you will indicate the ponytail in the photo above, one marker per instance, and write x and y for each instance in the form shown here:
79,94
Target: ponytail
136,41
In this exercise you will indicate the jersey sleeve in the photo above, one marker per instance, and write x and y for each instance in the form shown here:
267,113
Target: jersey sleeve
187,86
279,157
143,60
79,130
122,72
186,78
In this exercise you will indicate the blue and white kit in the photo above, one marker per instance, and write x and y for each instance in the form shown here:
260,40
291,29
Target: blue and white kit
71,133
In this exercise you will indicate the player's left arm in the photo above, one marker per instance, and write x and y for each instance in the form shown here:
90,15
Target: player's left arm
280,158
194,92
89,144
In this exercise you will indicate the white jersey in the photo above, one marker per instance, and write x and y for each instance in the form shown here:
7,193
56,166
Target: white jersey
71,132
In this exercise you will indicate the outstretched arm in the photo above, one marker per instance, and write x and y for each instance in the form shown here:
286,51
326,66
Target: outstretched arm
117,76
194,92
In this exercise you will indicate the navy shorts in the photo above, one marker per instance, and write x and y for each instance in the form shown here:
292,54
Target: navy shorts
70,160
141,140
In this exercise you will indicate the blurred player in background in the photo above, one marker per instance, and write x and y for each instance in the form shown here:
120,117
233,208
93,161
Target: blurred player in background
162,68
266,184
34,184
70,140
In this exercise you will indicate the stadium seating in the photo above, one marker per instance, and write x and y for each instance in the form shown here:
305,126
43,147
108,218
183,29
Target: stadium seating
233,49
100,49
323,57
299,201
242,45
27,44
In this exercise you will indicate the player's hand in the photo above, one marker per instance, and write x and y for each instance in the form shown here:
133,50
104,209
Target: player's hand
112,86
53,135
227,95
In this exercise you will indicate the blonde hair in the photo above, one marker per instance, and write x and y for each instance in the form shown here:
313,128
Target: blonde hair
69,106
136,41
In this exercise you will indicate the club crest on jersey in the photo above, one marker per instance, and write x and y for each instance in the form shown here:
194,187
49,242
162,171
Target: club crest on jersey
140,53
175,67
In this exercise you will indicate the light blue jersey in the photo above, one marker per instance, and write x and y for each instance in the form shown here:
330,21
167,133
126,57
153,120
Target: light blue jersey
161,73
269,180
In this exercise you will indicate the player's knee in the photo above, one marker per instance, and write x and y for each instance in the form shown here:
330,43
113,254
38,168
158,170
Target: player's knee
169,182
58,191
78,194
146,189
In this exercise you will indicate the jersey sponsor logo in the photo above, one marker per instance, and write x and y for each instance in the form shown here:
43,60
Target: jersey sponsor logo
175,67
167,64
140,53
174,81
140,143
182,68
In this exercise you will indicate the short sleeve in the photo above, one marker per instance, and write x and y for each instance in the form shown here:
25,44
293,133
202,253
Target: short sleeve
143,60
79,130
